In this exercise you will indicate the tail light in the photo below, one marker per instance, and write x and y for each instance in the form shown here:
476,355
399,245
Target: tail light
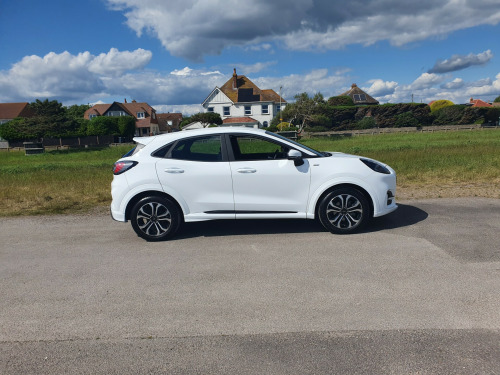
123,166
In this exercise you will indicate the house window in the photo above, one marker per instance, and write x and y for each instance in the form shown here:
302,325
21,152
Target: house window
169,122
265,109
359,97
248,110
140,115
210,109
278,107
92,116
226,111
154,115
116,113
265,124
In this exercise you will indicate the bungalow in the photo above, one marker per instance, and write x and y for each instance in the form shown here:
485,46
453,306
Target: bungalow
241,103
9,111
359,97
146,121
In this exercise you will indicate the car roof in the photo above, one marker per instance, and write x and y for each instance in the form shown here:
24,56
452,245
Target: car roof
190,133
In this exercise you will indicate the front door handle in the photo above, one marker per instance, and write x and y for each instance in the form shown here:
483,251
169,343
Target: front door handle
174,170
246,170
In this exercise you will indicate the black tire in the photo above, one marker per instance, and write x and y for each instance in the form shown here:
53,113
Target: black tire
155,218
344,210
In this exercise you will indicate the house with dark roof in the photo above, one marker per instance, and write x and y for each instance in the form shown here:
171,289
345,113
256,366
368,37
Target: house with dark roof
169,122
146,121
241,103
9,111
359,97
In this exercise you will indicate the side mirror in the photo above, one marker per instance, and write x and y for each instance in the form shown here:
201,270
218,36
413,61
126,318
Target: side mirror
296,156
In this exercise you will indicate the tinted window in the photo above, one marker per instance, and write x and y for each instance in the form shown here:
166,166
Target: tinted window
247,147
197,149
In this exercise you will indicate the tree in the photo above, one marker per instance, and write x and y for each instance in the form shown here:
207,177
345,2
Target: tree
206,119
304,110
46,108
76,111
497,100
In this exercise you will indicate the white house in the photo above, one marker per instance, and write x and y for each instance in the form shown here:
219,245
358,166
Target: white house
241,103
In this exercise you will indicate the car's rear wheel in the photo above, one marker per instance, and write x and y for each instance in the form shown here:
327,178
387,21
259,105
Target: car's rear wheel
155,218
344,210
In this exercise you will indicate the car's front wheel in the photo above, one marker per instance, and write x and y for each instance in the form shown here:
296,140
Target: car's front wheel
344,210
155,218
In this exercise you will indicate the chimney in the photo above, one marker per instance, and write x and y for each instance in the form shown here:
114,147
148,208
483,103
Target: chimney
354,85
235,80
125,100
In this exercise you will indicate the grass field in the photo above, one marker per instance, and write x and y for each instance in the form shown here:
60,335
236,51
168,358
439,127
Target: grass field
464,163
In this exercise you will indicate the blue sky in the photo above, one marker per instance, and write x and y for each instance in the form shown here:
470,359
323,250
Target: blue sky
171,54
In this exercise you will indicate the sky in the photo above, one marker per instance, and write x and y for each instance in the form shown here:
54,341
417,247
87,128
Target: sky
173,53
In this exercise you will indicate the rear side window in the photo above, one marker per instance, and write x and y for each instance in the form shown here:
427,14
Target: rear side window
134,151
206,149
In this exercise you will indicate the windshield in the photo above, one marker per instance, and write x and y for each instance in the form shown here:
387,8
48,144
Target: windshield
315,152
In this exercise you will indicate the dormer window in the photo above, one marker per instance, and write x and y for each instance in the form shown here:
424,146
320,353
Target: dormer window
92,116
141,115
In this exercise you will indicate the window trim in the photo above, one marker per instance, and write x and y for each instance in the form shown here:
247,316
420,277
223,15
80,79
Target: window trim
267,109
249,111
228,111
170,146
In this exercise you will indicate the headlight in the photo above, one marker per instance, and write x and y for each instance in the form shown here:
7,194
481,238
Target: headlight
375,166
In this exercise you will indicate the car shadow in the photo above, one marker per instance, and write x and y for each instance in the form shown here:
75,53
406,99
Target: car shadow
404,216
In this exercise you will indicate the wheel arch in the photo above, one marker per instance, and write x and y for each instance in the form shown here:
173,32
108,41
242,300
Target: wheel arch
150,193
363,191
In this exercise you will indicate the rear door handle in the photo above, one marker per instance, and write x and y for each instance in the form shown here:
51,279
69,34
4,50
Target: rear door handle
174,170
246,170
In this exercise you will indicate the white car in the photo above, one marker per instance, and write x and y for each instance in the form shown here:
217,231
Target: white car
243,173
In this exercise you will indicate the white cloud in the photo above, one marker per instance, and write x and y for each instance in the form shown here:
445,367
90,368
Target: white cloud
426,81
183,72
68,76
380,88
194,28
116,63
459,62
254,68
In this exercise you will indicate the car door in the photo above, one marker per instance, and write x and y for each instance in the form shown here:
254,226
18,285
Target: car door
196,171
265,182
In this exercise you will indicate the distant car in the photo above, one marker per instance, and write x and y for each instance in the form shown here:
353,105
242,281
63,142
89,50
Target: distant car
243,173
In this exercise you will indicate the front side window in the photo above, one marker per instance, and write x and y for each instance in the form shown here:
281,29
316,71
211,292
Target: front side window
248,147
265,109
226,111
197,149
210,109
278,107
248,110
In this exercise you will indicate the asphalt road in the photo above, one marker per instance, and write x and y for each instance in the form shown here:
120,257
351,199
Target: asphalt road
417,293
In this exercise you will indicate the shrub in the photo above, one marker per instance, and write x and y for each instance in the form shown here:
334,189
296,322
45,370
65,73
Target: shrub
103,125
448,115
406,119
126,126
438,104
366,123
